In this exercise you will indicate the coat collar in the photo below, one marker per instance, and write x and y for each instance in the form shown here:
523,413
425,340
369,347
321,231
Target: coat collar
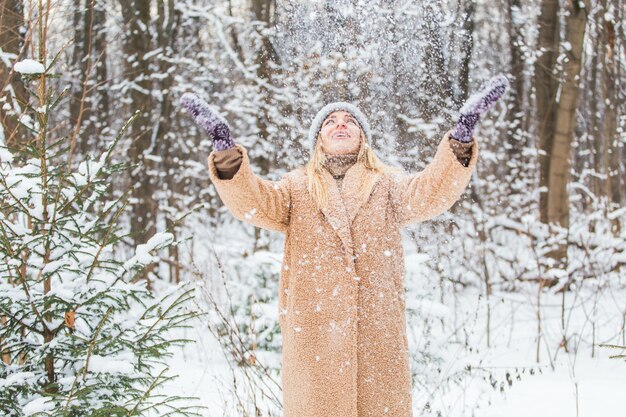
344,204
338,165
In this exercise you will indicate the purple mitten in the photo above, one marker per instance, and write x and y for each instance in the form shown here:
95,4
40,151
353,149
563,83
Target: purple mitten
477,105
208,120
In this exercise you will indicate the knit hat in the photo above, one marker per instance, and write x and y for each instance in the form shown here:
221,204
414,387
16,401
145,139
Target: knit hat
316,125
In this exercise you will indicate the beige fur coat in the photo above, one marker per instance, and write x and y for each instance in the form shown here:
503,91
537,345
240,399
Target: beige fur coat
342,308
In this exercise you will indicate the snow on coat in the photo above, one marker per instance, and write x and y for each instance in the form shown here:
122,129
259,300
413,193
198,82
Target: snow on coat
342,309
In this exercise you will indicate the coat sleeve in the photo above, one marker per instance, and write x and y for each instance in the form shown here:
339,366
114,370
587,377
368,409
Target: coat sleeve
253,200
434,190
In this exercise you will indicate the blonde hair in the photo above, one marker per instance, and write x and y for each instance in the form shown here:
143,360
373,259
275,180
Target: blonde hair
315,167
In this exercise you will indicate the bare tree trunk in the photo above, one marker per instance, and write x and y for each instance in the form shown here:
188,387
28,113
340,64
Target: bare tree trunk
79,64
267,63
137,43
13,94
167,24
100,57
89,102
545,86
556,109
467,49
566,104
85,98
517,136
597,138
620,100
516,104
614,181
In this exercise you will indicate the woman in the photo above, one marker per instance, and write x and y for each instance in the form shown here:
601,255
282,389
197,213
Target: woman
342,308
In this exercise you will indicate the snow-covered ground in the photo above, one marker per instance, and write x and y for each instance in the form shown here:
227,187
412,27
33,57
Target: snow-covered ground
588,388
448,335
594,386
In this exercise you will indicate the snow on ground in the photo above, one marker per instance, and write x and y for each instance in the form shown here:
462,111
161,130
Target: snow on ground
596,386
203,371
453,329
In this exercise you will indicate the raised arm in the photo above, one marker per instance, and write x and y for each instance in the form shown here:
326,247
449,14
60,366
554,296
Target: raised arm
251,199
433,191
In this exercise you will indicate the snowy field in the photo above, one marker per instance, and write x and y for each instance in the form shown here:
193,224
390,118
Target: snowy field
447,337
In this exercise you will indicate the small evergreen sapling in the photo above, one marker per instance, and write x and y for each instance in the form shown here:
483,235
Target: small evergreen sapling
77,336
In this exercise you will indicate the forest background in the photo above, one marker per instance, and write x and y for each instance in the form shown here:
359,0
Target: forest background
541,227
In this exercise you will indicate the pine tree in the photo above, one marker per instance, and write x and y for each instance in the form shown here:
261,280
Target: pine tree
78,335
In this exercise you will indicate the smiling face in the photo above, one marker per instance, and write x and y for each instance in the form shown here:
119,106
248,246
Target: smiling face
340,134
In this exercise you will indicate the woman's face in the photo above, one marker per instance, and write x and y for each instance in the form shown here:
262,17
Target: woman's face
340,134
